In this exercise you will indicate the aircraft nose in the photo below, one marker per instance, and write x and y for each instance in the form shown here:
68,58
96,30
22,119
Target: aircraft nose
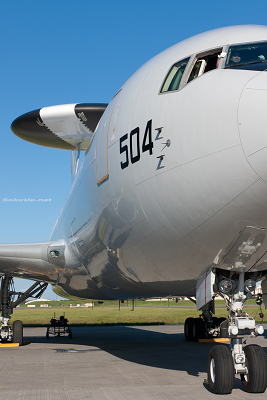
252,119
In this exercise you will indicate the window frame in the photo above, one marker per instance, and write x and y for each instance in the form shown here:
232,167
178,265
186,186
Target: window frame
238,44
199,56
168,73
190,65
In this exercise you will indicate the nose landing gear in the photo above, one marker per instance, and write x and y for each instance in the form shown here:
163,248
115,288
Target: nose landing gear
224,362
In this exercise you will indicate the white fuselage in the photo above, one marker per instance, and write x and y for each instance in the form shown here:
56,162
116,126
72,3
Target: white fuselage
152,227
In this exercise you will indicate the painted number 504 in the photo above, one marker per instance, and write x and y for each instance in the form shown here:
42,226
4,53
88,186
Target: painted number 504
134,144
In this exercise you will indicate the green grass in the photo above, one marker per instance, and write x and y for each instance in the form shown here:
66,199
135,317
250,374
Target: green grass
115,303
110,315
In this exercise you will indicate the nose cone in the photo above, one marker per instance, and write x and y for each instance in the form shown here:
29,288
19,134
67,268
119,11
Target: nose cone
252,119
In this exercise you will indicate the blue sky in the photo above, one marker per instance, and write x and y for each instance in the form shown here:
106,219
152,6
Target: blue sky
57,52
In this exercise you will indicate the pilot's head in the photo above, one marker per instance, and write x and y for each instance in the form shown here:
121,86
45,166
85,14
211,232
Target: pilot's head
235,58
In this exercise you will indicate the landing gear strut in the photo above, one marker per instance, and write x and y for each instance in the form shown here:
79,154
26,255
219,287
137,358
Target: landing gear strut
250,361
9,299
224,363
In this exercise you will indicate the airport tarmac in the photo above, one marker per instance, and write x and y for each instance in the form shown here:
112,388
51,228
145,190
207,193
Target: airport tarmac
111,363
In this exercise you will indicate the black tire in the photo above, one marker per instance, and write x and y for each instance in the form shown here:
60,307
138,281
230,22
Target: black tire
198,330
17,332
256,362
47,335
221,373
188,328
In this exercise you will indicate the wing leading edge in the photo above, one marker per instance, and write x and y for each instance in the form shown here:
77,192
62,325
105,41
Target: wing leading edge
36,261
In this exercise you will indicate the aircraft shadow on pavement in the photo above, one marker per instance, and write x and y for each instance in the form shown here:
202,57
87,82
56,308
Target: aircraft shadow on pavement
139,345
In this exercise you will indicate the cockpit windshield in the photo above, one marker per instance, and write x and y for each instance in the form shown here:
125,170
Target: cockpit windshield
174,76
248,56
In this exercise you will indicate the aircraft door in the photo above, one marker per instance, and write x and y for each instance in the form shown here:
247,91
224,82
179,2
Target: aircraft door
105,129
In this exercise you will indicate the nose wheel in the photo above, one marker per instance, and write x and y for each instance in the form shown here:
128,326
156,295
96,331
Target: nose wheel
221,371
221,374
224,363
255,381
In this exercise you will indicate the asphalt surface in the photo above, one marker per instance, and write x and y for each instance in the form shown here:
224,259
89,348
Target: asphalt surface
120,363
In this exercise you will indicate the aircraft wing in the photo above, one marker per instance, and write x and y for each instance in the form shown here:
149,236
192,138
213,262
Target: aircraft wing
37,261
67,126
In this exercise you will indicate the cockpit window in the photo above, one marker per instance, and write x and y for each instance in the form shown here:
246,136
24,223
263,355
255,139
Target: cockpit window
197,70
174,77
204,63
248,56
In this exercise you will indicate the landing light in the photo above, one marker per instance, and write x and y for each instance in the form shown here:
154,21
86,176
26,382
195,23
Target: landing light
249,285
54,254
226,286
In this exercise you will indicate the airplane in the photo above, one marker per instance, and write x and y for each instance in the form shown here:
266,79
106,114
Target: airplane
169,198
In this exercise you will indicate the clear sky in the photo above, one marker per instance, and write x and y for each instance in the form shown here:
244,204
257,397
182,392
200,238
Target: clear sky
62,51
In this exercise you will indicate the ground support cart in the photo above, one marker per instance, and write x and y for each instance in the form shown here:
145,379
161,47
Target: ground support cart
59,327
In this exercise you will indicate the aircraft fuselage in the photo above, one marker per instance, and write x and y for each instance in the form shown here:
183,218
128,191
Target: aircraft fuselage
166,185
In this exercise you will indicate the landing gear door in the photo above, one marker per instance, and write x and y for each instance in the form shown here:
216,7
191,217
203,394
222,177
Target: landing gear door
205,293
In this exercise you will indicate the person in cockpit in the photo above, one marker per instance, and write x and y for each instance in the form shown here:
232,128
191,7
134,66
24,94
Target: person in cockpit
236,58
